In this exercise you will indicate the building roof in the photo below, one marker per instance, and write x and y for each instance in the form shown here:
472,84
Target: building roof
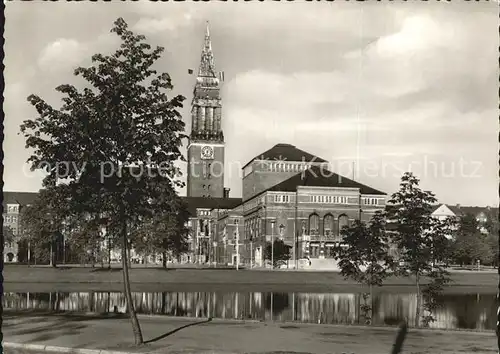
316,176
455,209
21,198
194,203
459,210
286,152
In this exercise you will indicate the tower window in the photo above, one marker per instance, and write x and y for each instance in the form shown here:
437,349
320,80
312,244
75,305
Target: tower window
208,187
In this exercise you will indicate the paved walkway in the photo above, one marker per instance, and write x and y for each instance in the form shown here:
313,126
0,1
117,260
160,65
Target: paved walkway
181,335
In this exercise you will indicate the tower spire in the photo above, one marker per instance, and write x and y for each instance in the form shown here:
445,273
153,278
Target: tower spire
208,42
207,65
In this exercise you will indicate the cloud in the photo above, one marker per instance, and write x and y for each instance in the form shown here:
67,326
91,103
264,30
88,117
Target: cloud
149,25
61,54
373,81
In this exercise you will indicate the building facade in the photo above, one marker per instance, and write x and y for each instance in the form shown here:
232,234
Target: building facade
13,204
300,202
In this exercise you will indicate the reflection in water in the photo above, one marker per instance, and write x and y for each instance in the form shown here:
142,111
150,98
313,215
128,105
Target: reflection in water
470,311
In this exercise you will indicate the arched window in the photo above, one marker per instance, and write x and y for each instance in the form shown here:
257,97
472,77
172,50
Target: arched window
314,224
328,225
343,221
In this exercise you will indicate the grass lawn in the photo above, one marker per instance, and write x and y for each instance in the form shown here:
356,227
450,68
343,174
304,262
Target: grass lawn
23,278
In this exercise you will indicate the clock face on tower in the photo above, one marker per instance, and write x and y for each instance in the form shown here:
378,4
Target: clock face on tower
207,152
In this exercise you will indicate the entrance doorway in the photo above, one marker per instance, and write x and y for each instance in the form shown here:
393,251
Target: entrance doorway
258,256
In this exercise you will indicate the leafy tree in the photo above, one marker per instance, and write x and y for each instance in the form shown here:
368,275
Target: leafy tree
166,233
420,240
470,244
114,142
281,253
42,223
84,236
492,244
492,224
364,256
8,234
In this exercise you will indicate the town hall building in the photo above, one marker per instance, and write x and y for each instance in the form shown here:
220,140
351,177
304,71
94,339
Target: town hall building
287,193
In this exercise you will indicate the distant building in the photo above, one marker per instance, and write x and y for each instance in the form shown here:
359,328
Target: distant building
13,203
483,215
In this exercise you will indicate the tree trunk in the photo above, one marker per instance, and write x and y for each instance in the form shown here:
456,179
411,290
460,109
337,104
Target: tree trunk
371,303
164,259
53,255
136,328
163,302
419,301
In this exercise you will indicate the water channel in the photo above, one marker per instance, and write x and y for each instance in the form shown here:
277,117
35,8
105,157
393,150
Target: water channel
463,311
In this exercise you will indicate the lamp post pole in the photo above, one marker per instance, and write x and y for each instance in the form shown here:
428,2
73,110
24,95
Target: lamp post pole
282,228
29,252
237,245
251,248
272,244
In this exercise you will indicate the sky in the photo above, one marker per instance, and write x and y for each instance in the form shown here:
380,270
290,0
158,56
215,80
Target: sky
390,87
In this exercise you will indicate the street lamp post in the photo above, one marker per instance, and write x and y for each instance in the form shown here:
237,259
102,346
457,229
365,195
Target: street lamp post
237,245
272,243
251,248
282,228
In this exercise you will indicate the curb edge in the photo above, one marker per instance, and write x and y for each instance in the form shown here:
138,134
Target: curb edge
56,349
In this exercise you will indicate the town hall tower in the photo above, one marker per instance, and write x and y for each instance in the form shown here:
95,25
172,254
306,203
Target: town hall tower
205,177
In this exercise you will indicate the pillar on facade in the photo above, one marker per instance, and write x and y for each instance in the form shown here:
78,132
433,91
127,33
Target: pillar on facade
194,116
201,114
217,119
210,118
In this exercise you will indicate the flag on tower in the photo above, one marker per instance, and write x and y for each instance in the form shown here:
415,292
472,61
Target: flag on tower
190,71
221,76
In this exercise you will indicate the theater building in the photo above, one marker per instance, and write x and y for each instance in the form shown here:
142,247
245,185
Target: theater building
296,199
